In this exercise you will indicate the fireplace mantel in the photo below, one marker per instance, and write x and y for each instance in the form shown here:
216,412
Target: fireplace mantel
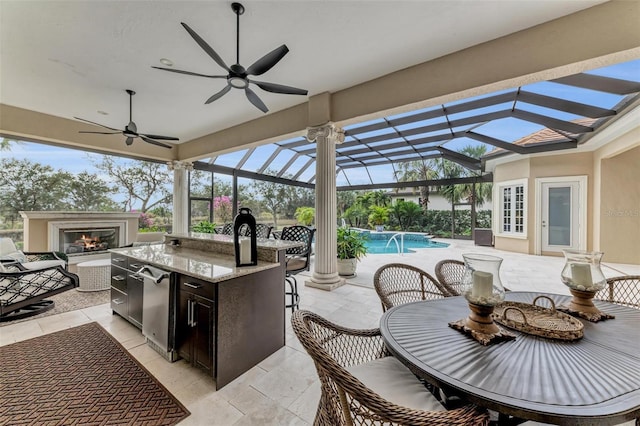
38,225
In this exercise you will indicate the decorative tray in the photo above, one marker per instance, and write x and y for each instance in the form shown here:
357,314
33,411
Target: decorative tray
538,320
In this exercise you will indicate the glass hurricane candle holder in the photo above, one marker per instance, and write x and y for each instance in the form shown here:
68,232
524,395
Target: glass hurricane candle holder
583,276
482,287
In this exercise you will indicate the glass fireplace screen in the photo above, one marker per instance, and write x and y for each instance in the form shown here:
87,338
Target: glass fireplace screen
75,241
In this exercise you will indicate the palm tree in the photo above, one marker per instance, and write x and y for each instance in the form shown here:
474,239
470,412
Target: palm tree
464,191
412,171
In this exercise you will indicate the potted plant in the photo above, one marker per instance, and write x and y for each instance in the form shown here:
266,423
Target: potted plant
351,247
378,217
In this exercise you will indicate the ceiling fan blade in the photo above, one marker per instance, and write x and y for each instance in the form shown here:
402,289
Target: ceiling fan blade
132,127
255,100
162,138
203,44
265,63
190,73
101,133
151,141
98,124
278,88
219,94
129,141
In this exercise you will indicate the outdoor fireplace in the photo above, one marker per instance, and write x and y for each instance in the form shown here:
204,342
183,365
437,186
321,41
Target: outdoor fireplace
91,240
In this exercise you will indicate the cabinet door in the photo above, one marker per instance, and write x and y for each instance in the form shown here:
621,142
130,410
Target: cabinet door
203,341
134,290
183,335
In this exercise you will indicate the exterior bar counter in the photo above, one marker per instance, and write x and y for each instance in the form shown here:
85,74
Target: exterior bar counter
223,319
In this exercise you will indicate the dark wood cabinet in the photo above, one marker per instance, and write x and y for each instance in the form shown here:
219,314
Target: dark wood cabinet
195,335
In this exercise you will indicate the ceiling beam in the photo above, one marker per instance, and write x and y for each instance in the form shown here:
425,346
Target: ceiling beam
600,83
434,182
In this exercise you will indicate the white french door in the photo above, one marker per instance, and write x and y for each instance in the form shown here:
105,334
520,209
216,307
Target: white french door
562,214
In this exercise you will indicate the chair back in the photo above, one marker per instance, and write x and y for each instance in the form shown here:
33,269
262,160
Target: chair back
227,229
397,284
449,273
303,234
262,230
623,290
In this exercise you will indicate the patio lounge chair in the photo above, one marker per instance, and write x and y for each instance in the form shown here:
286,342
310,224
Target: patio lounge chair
9,254
361,384
22,291
397,283
623,290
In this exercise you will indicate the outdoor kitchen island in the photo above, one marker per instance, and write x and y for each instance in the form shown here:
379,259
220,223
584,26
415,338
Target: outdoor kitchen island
221,318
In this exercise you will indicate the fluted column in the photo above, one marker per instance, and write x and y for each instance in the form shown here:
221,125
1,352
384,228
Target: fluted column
180,195
325,269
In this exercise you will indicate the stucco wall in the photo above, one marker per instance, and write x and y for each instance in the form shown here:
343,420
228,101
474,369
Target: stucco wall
620,207
518,169
554,165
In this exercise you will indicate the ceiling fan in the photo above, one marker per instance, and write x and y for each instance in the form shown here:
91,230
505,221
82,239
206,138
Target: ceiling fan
131,130
238,76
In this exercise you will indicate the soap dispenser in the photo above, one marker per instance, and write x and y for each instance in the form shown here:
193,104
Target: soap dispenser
245,246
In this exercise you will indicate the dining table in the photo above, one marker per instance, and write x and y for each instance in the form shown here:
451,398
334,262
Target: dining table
594,380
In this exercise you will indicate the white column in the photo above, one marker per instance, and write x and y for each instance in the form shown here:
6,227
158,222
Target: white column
325,271
180,195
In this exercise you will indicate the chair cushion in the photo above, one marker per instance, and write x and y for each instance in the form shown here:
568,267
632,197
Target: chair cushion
394,382
41,264
296,263
7,246
16,255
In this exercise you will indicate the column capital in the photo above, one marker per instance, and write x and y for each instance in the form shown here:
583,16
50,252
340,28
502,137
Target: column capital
327,131
180,165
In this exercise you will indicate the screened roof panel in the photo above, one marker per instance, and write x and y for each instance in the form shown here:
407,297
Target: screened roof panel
561,113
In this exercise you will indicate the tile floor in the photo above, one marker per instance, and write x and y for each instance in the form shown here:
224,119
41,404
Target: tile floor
283,389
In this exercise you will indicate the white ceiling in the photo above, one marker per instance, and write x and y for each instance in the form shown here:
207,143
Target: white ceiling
75,58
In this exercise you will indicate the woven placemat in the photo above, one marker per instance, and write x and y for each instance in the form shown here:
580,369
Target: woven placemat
80,376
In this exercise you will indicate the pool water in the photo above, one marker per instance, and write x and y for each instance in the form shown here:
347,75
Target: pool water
378,242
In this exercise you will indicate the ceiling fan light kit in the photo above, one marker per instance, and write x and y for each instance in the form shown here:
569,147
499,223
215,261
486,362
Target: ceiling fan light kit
238,76
131,130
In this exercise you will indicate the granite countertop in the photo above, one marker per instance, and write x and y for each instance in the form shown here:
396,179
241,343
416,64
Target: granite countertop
268,243
209,266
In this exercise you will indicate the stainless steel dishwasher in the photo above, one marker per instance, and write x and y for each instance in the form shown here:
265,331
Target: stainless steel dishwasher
156,309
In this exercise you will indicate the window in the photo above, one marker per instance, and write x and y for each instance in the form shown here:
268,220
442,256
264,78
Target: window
512,208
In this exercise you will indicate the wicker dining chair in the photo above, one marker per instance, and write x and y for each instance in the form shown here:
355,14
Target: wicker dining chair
623,290
449,273
397,283
340,354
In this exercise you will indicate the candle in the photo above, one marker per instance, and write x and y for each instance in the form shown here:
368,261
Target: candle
245,251
482,284
581,274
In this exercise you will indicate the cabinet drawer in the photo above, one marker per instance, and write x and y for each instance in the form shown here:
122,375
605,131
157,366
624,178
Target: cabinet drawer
119,279
135,265
119,303
201,288
119,260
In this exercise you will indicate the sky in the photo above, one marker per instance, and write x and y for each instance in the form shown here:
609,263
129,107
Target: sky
75,161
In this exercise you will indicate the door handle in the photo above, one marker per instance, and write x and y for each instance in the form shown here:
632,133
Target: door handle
196,286
189,313
193,314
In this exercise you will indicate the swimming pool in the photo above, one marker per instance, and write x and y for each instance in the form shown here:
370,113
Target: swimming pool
391,242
